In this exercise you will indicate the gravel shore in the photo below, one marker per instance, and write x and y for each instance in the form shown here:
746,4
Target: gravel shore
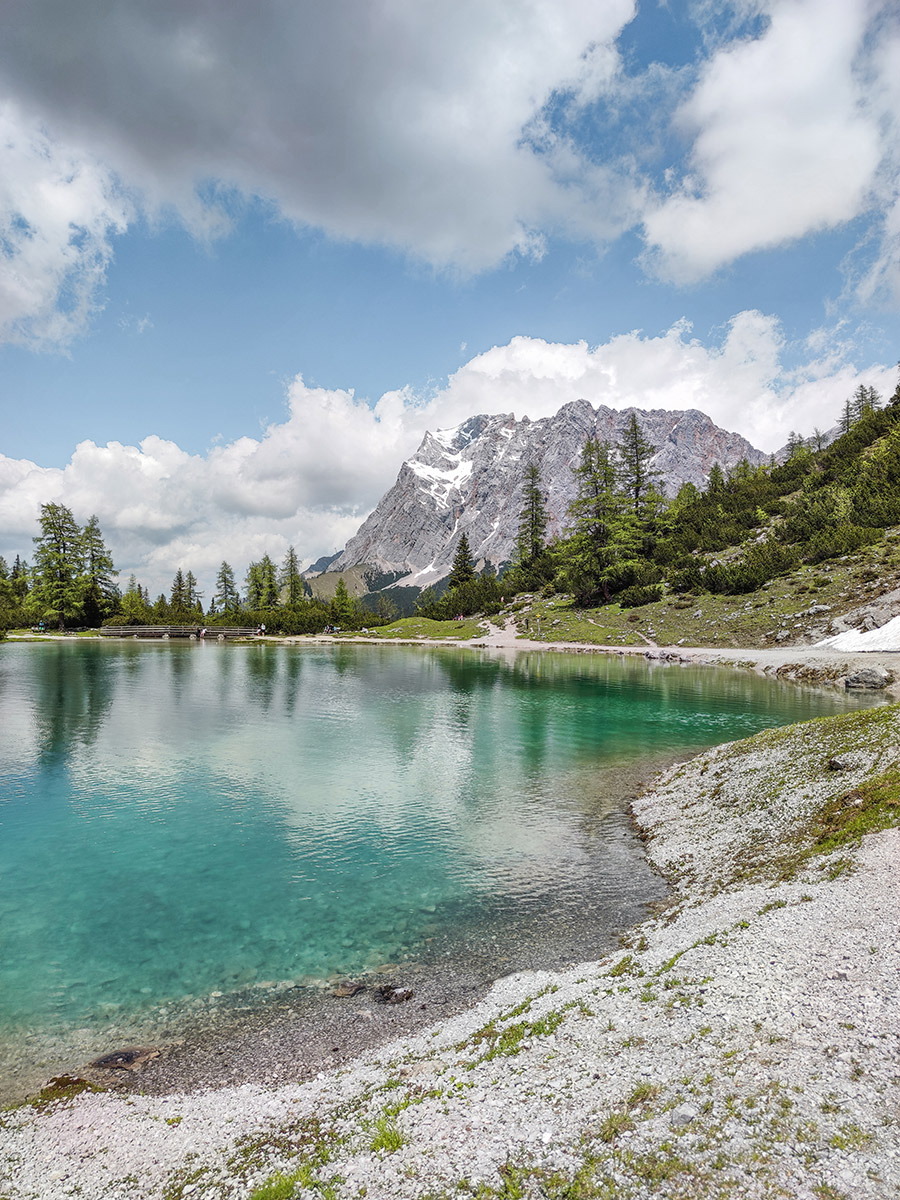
745,1042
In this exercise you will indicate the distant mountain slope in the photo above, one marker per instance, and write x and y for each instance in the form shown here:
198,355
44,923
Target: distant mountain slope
469,479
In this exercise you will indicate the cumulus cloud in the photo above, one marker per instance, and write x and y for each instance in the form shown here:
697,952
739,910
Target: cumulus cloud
791,132
785,139
311,478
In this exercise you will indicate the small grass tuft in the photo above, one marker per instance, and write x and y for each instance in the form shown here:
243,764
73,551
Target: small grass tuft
387,1136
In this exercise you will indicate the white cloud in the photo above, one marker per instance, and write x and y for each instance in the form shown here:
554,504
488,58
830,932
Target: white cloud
786,140
459,133
59,209
311,478
400,124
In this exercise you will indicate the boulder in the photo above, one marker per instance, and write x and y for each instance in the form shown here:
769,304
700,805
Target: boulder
868,679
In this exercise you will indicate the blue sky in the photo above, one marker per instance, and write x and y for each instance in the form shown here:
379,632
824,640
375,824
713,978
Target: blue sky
249,254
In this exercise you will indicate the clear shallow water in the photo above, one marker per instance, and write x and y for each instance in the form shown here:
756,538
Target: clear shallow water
184,819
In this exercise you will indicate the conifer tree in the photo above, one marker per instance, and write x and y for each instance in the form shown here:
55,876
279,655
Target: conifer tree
342,606
865,400
463,569
178,593
532,518
132,610
59,563
715,485
602,524
99,592
290,579
193,596
226,597
262,584
636,473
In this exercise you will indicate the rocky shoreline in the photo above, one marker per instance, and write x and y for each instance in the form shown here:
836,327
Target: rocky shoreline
746,1041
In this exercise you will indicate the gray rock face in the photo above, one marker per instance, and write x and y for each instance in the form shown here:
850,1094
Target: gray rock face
469,480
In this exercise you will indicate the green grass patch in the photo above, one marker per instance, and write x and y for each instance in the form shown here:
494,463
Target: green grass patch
386,1136
277,1187
59,1090
868,808
506,1040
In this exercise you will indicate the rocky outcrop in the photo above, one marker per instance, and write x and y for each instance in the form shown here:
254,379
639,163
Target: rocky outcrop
469,479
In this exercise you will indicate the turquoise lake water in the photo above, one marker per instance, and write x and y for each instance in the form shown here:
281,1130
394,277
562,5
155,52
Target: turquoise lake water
178,820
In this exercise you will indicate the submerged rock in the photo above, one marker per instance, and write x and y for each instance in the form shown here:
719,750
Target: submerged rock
347,988
132,1058
389,994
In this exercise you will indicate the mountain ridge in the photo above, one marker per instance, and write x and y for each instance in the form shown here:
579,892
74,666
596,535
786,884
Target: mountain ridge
468,479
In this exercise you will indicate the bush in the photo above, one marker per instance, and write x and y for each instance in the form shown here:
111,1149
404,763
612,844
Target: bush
636,596
832,543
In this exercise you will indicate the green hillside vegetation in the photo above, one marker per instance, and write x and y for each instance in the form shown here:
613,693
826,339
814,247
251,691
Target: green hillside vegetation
629,548
779,607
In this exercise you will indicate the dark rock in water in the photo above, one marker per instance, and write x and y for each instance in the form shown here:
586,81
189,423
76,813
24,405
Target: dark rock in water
132,1058
873,678
388,994
347,988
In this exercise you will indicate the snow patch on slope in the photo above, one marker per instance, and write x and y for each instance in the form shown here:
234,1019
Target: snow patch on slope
885,638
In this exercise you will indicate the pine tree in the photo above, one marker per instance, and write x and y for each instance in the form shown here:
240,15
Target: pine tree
602,524
290,578
532,518
463,569
100,592
226,597
59,563
178,594
636,473
342,607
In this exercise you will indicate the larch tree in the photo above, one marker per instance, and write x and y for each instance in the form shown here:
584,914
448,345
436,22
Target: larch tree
262,584
290,579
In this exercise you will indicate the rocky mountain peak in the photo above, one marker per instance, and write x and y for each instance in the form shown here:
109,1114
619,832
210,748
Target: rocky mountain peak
469,479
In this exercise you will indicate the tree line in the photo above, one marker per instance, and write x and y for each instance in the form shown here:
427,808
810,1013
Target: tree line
72,583
624,542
